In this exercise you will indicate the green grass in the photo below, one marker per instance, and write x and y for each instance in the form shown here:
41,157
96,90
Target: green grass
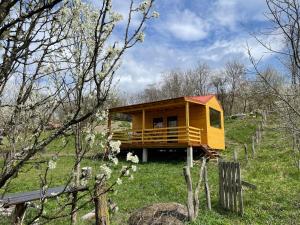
276,200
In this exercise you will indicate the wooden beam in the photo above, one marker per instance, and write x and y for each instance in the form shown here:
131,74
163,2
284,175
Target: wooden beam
187,114
143,125
187,119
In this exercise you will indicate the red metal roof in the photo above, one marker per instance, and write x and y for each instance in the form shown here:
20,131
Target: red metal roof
201,99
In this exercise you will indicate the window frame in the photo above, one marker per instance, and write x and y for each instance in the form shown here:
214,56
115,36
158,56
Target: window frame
158,118
219,126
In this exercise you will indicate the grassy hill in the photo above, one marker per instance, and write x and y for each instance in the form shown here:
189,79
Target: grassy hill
276,200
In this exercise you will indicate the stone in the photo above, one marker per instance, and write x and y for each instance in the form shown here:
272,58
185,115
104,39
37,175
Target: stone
160,214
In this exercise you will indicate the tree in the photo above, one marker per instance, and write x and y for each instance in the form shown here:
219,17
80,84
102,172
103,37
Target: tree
58,57
219,84
285,25
235,72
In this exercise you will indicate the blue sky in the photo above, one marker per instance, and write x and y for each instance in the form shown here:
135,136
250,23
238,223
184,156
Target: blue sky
192,31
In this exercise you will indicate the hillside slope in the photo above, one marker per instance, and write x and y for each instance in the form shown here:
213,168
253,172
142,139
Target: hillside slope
276,200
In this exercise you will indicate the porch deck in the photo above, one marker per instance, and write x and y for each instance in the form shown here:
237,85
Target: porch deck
167,137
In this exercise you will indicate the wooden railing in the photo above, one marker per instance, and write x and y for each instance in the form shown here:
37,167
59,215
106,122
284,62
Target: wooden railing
181,134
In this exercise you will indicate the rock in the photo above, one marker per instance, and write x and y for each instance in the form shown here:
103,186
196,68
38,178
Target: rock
160,214
238,116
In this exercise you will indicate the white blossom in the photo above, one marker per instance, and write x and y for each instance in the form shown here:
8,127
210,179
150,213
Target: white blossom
90,138
51,164
105,170
83,182
116,17
132,158
134,168
144,5
115,146
119,181
140,37
155,14
113,159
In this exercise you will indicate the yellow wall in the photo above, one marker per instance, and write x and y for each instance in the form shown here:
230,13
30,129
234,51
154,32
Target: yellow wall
216,136
199,118
137,121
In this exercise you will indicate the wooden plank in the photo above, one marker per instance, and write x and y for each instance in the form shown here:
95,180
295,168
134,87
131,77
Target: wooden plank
226,186
248,185
22,197
221,179
232,185
235,207
240,191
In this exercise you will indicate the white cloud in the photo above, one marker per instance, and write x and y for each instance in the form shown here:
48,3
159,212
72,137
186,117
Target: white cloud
230,13
186,26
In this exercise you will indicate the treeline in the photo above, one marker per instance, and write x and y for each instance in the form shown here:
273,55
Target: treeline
237,90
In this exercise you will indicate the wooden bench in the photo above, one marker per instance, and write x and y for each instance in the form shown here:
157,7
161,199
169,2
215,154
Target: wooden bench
20,199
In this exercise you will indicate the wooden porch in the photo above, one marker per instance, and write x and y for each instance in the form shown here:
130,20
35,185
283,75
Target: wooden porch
169,137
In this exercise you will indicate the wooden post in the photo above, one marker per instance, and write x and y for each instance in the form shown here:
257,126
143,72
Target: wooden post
207,191
239,191
101,210
187,119
143,125
19,214
253,146
145,155
231,197
246,152
189,156
190,197
221,184
235,157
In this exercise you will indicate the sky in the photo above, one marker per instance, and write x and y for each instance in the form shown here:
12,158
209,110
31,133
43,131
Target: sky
190,32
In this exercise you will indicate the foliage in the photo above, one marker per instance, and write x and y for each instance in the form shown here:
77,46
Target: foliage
160,180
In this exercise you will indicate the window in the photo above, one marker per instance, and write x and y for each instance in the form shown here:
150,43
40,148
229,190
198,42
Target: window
215,118
158,122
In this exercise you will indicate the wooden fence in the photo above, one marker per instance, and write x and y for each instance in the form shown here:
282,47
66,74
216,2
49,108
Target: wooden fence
230,187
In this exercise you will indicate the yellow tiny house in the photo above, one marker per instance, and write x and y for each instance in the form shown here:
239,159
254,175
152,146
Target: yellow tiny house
184,122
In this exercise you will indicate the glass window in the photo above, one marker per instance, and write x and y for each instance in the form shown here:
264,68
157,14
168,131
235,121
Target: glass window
215,118
158,122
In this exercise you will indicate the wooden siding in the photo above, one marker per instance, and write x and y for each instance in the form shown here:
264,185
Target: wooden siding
215,136
199,117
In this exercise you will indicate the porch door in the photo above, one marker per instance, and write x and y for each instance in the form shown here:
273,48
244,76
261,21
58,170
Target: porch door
172,122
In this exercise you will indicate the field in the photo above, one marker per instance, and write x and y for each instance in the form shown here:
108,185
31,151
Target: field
276,200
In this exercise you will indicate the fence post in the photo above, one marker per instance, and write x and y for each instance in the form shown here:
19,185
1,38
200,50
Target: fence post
246,152
221,183
235,157
190,198
239,191
101,210
207,191
253,146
